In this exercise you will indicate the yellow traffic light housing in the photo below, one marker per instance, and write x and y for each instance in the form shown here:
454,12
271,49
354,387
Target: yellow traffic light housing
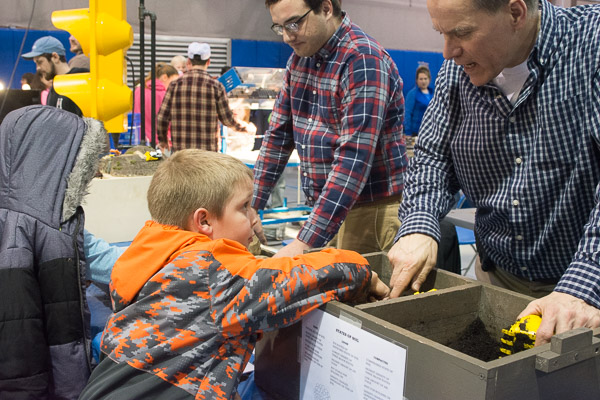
104,34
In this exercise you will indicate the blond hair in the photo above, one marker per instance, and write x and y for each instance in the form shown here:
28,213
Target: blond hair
161,69
192,179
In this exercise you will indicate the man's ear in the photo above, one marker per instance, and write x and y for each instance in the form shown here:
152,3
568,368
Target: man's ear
200,222
518,12
327,8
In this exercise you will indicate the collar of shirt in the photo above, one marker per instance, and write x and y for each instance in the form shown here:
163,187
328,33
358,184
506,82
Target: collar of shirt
546,43
333,43
196,71
545,46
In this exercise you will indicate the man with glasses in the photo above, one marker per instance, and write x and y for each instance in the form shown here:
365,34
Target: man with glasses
341,108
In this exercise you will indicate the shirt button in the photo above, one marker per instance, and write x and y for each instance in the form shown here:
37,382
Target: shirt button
305,174
516,203
318,65
303,146
512,119
314,92
519,237
518,160
310,198
523,268
310,120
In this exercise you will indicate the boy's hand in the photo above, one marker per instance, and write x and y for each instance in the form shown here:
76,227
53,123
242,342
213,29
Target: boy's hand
378,290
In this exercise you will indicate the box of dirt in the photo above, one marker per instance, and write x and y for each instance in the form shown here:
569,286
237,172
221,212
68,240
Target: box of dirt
451,340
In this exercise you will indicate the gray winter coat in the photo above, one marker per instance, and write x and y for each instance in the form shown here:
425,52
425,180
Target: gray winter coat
47,158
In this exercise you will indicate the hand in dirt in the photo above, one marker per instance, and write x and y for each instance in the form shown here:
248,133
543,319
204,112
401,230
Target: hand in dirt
412,258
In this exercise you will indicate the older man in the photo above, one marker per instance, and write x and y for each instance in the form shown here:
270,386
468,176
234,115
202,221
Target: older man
515,124
80,60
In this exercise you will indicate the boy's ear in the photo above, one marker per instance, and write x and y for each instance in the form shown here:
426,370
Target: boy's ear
200,222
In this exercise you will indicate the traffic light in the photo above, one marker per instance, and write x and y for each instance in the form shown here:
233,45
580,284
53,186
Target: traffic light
104,35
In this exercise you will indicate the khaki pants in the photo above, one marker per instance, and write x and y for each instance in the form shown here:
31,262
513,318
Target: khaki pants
501,278
370,228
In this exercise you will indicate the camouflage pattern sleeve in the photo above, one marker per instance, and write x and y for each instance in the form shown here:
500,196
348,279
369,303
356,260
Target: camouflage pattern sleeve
250,295
195,321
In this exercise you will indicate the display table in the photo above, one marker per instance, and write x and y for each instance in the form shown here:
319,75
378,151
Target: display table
116,207
463,217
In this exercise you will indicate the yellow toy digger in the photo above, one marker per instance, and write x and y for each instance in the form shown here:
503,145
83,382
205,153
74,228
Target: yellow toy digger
520,335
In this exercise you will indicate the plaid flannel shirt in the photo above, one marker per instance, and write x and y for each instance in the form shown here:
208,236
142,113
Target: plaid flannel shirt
342,110
194,105
532,169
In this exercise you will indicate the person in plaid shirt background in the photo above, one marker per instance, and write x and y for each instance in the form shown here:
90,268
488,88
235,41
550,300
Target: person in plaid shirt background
194,105
341,108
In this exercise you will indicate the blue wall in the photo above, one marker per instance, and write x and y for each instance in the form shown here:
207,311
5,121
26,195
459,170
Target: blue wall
244,53
408,61
252,53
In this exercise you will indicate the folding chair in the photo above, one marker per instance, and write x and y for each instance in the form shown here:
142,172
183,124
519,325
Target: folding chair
466,236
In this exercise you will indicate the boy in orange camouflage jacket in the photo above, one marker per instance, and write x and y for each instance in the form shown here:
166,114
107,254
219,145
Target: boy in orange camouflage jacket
190,301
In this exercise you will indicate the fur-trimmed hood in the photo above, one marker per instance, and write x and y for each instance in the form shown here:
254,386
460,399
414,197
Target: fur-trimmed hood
49,157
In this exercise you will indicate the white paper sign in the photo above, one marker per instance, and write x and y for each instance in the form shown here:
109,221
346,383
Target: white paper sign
342,361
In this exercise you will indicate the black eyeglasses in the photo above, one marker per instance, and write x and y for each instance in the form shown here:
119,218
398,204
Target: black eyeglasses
289,26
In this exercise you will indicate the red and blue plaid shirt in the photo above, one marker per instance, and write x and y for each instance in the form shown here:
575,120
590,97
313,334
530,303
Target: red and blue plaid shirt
342,110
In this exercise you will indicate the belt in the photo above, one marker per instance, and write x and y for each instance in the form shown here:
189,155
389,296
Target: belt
380,202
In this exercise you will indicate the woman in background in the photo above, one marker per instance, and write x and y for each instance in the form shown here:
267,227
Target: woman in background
239,141
417,100
31,81
179,62
165,74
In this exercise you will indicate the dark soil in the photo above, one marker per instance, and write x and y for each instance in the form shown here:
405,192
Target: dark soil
476,342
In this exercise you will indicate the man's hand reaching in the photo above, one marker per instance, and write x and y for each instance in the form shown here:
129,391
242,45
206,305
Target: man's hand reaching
412,257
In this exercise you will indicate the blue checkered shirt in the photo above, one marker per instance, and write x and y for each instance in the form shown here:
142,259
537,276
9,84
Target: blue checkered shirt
342,110
532,169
